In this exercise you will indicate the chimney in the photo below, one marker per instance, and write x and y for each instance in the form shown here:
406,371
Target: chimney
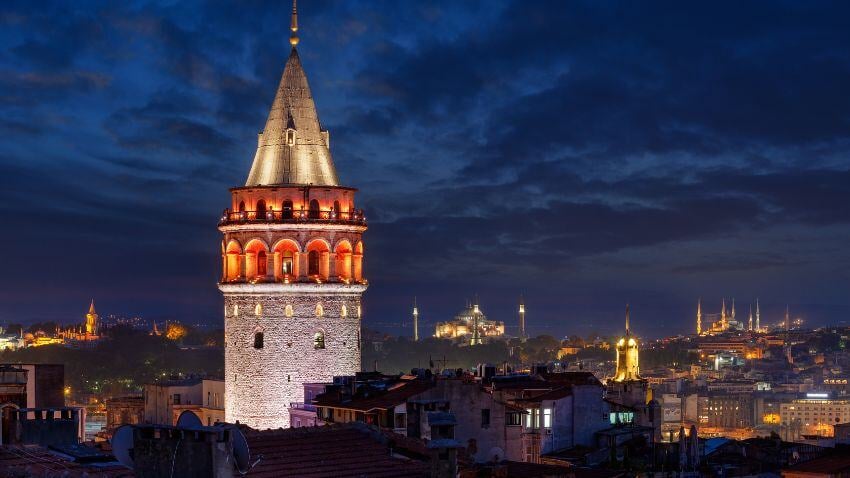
443,446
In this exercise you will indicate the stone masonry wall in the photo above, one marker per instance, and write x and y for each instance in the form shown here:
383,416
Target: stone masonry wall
261,383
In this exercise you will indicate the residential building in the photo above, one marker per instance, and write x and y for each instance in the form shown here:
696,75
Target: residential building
165,401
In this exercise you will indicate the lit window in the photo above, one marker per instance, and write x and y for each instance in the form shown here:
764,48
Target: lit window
319,340
547,418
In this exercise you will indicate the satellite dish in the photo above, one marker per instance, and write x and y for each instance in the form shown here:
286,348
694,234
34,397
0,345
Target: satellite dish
122,443
241,454
188,419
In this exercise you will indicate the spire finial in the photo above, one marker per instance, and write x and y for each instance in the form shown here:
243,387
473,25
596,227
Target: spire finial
293,27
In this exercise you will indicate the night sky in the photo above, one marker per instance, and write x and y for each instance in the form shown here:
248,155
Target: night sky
584,155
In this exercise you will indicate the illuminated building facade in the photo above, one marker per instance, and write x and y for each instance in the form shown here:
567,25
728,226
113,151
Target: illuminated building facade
85,333
470,323
816,414
291,264
628,367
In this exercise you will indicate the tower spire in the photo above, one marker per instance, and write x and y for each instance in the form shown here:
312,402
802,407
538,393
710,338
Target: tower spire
627,319
750,321
758,316
293,26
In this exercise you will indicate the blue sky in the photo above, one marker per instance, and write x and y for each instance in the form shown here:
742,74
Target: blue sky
583,154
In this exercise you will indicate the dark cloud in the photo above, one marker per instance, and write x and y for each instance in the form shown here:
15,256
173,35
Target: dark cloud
584,154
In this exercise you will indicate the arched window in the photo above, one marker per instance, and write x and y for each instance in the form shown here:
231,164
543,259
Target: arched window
258,340
314,209
287,209
313,263
343,312
336,209
262,263
242,206
320,311
287,311
261,209
258,310
286,262
319,340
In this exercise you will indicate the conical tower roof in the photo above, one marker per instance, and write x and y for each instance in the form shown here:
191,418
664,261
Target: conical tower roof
91,308
293,149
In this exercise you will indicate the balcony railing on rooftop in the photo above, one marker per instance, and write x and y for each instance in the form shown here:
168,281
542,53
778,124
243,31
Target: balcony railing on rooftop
355,216
309,407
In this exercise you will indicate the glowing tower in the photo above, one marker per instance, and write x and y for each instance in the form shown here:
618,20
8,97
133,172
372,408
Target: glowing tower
292,261
627,356
415,321
92,320
522,333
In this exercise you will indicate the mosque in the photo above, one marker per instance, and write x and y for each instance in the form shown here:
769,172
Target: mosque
470,324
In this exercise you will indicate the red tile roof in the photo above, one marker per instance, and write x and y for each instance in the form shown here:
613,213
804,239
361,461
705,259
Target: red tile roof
37,461
338,451
830,464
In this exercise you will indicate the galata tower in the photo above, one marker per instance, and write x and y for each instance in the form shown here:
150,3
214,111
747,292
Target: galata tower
292,262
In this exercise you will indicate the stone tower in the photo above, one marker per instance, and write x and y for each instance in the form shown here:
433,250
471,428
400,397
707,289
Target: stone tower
628,368
292,262
92,320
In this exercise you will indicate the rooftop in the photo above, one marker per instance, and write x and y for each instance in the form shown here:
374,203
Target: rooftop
351,450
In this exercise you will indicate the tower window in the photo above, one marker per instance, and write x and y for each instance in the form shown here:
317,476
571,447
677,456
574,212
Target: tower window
288,310
320,311
314,209
319,340
258,340
290,137
287,209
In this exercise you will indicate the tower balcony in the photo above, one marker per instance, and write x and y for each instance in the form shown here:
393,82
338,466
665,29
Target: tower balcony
289,216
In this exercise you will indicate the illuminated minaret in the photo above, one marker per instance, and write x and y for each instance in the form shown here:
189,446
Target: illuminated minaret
750,321
789,356
292,263
733,309
758,317
724,320
415,321
699,316
522,334
476,334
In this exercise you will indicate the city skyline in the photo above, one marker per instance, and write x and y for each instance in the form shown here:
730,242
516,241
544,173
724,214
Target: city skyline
610,165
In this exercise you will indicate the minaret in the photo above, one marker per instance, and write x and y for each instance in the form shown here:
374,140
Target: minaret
292,263
724,320
476,334
522,334
758,316
750,321
733,309
415,321
699,316
789,356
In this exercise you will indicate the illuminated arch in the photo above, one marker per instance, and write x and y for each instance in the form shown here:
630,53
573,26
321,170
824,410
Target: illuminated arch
288,311
286,253
343,256
343,312
318,258
320,310
232,260
256,259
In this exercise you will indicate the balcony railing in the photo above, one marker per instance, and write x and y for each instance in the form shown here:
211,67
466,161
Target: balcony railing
308,407
292,216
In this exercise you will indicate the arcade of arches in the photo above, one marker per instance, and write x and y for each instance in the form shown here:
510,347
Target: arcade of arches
285,261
